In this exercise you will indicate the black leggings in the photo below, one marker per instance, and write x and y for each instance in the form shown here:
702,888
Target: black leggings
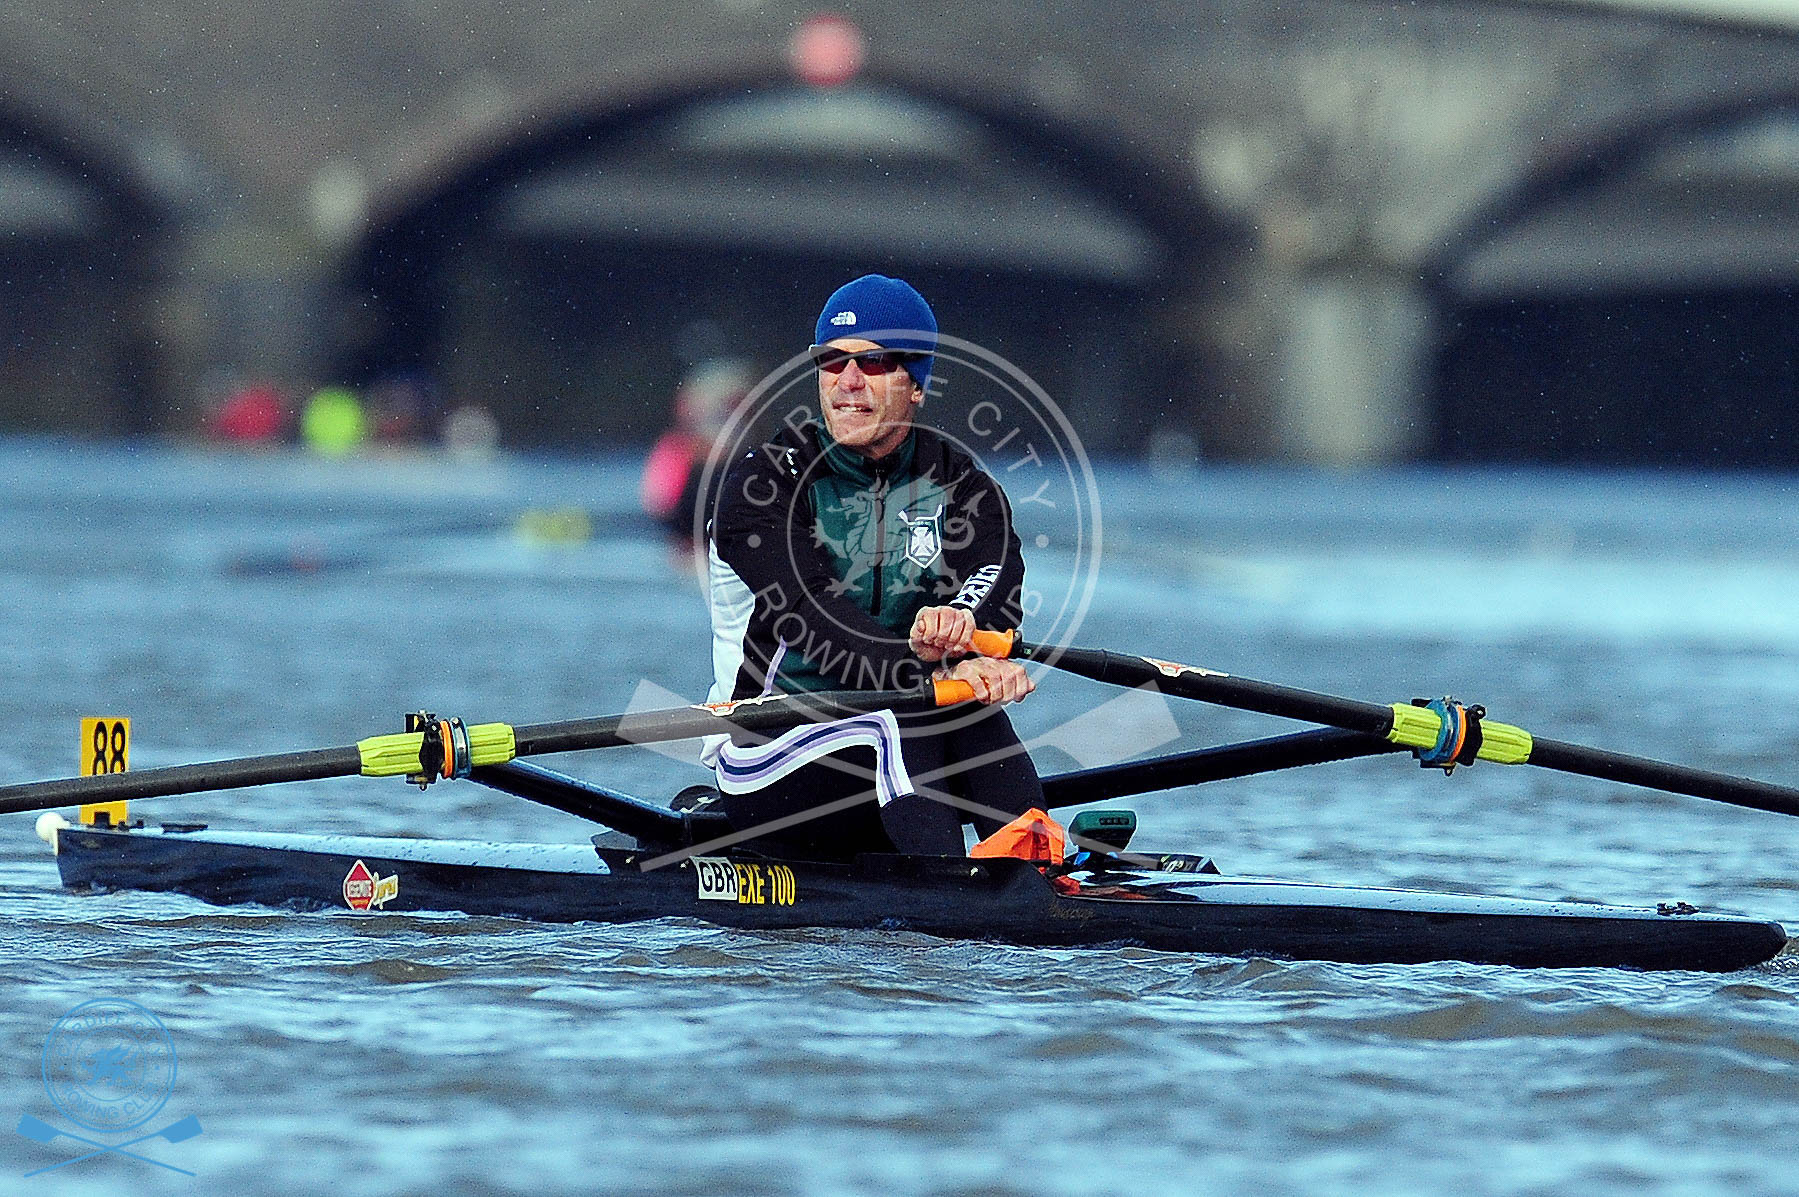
965,769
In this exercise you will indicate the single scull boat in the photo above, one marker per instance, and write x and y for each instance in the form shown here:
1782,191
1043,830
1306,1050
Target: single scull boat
1102,898
660,862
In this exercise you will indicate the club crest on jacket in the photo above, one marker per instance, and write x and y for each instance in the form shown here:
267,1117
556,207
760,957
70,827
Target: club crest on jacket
924,537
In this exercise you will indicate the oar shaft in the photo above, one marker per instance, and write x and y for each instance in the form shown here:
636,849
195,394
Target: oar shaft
1660,775
1207,685
491,744
310,765
1414,727
755,717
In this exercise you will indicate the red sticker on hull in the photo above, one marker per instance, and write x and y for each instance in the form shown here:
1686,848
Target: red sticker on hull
362,889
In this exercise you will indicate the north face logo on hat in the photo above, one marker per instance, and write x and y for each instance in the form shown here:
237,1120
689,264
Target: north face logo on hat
844,318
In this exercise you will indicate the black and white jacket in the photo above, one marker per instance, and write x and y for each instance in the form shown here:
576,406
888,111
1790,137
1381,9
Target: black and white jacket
820,560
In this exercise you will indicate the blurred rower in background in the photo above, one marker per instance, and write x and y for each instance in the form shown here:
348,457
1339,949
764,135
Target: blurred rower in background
673,477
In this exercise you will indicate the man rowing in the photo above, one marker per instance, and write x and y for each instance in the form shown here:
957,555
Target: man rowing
863,552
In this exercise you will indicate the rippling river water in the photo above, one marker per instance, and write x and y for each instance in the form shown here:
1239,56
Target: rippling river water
242,605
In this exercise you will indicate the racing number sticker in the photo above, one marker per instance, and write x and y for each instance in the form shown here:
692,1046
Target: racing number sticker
746,883
718,878
105,746
765,885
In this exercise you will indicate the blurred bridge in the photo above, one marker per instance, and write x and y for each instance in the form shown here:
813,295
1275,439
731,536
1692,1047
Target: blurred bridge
1325,230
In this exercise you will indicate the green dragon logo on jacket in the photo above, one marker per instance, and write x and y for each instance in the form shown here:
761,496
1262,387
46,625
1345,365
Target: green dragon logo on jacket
886,538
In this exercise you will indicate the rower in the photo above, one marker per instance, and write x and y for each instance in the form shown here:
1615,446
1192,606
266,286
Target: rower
675,474
860,550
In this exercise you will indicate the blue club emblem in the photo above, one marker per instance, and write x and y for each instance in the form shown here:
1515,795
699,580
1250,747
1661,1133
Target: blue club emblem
109,1066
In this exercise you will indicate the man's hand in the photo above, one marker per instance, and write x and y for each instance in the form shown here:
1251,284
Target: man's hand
994,681
939,632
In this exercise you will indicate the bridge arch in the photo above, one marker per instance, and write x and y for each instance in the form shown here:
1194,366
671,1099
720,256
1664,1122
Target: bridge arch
1633,300
531,268
78,237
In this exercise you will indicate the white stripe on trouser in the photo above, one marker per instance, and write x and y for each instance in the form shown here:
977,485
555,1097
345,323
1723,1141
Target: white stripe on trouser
744,770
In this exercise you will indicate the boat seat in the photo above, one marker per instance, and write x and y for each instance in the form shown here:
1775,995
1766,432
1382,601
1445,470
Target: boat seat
697,797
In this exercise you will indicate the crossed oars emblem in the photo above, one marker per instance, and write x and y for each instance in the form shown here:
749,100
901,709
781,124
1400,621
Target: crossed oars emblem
129,1066
42,1132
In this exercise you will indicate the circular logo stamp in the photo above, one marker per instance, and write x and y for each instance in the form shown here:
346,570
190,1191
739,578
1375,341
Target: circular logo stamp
884,540
109,1064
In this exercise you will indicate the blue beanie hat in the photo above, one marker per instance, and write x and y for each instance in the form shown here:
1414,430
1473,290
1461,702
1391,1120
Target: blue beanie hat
887,311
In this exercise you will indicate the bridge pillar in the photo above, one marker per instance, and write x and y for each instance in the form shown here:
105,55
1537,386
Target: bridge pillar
1355,356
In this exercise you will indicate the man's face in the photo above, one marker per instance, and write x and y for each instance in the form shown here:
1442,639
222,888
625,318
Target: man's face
866,410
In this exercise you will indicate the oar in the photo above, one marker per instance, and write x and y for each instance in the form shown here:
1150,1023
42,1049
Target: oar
1418,728
1211,764
406,753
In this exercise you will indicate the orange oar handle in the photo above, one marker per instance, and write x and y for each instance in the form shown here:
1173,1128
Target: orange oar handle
949,692
995,644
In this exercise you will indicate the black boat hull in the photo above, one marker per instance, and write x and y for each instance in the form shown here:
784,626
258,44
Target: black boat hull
1000,900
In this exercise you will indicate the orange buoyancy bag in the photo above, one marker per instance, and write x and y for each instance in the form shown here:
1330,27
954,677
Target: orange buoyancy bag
1031,836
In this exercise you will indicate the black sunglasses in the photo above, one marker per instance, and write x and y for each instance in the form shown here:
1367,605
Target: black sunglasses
832,360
